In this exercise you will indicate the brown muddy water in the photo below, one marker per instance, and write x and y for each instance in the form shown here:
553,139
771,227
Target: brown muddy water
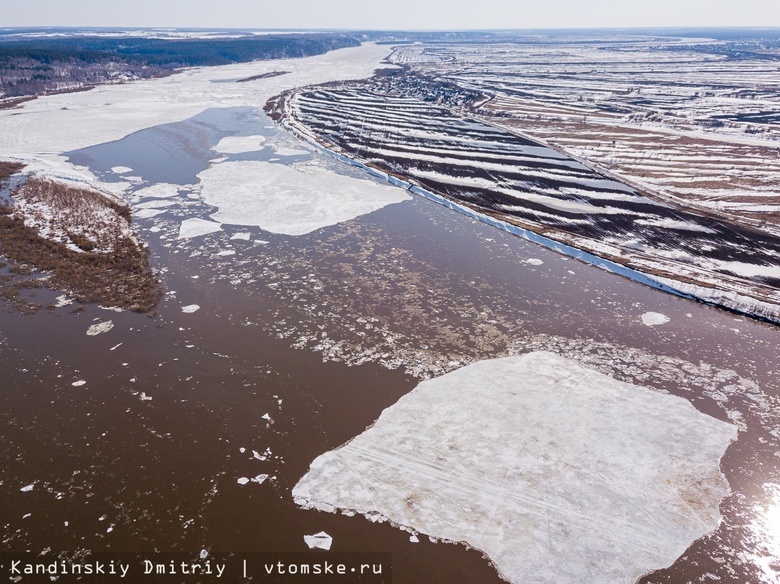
298,345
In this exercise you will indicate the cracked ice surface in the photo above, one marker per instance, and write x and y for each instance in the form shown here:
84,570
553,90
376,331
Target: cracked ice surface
558,473
290,200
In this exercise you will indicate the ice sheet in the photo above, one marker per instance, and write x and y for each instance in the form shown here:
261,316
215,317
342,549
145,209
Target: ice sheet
291,200
558,473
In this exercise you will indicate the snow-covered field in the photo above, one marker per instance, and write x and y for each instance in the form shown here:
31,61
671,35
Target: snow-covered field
523,186
679,117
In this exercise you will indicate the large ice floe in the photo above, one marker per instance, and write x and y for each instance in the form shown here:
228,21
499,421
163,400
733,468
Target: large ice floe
556,472
291,200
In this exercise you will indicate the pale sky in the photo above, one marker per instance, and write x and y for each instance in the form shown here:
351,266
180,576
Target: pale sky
392,14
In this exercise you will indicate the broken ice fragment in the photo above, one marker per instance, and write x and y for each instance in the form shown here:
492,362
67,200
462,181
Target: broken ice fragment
101,327
534,262
203,554
654,318
190,308
266,417
319,540
243,481
79,383
28,488
260,479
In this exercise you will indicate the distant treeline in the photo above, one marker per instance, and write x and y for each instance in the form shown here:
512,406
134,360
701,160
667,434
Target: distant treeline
44,65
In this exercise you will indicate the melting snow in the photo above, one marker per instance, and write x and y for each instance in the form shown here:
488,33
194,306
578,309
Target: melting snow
568,475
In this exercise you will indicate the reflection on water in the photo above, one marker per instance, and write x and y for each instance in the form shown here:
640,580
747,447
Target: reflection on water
765,535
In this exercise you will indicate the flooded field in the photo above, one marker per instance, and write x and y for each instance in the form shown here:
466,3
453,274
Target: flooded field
156,432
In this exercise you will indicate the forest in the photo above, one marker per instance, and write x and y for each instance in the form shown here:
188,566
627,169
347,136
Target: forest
33,65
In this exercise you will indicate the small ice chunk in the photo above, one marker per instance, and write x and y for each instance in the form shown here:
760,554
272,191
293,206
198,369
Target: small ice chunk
79,383
203,554
227,252
260,479
266,417
190,308
534,261
121,169
63,301
319,540
243,235
414,539
115,347
242,450
258,456
28,488
99,328
144,397
654,318
243,481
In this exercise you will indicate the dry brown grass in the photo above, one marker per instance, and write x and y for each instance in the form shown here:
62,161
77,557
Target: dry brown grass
8,169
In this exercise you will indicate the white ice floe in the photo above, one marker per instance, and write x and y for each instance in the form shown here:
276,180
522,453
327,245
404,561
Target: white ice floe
27,488
319,540
196,227
148,213
290,200
243,481
190,308
226,252
79,383
654,318
239,144
121,169
159,191
534,261
99,328
244,236
558,473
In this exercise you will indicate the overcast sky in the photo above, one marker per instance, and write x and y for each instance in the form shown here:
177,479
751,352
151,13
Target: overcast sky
392,14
